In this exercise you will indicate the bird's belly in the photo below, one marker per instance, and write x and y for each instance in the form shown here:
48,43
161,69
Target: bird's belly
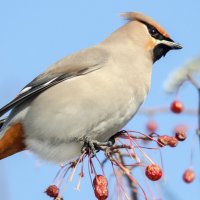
59,143
59,148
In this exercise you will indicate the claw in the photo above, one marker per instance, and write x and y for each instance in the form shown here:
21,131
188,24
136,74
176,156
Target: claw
88,145
95,146
112,138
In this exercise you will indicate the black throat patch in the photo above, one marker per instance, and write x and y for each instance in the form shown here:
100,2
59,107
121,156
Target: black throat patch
159,51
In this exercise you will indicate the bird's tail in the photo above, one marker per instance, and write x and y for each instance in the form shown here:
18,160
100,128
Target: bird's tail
12,141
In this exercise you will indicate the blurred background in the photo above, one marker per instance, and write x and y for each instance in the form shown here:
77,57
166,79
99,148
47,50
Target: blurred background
35,34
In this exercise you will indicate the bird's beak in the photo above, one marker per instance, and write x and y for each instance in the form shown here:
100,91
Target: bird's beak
171,44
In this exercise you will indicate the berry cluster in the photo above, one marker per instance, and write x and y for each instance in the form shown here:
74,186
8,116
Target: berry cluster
114,155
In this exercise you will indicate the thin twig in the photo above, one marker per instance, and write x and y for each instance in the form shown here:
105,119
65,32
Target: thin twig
160,110
199,110
198,129
197,86
132,185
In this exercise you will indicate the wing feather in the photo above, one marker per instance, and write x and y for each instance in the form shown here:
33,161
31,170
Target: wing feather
88,60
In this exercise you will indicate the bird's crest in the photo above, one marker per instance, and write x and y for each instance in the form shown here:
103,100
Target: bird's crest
131,16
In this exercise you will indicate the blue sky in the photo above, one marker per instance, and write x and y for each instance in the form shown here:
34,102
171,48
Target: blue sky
35,34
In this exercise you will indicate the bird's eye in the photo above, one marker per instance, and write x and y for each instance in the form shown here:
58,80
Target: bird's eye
154,33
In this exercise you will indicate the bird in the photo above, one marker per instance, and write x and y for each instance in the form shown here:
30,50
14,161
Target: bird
86,96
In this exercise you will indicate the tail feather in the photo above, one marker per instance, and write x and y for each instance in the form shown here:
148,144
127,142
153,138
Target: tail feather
12,141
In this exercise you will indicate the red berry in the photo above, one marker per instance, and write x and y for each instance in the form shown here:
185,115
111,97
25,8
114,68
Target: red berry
52,191
172,142
151,126
100,184
153,172
180,133
163,140
188,176
176,107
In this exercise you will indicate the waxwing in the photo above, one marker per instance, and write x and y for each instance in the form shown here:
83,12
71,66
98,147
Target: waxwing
89,95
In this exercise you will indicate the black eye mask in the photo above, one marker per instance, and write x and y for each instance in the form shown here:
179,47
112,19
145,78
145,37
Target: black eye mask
160,49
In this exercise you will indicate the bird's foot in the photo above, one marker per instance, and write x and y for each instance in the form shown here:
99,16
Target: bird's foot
93,146
112,138
109,150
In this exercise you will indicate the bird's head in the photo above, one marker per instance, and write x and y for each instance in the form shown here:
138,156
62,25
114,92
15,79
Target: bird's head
154,37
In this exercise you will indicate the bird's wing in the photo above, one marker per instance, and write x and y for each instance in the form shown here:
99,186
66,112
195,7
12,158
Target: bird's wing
74,65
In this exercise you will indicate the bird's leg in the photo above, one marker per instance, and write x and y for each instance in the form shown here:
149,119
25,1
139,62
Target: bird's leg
108,151
112,138
94,145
